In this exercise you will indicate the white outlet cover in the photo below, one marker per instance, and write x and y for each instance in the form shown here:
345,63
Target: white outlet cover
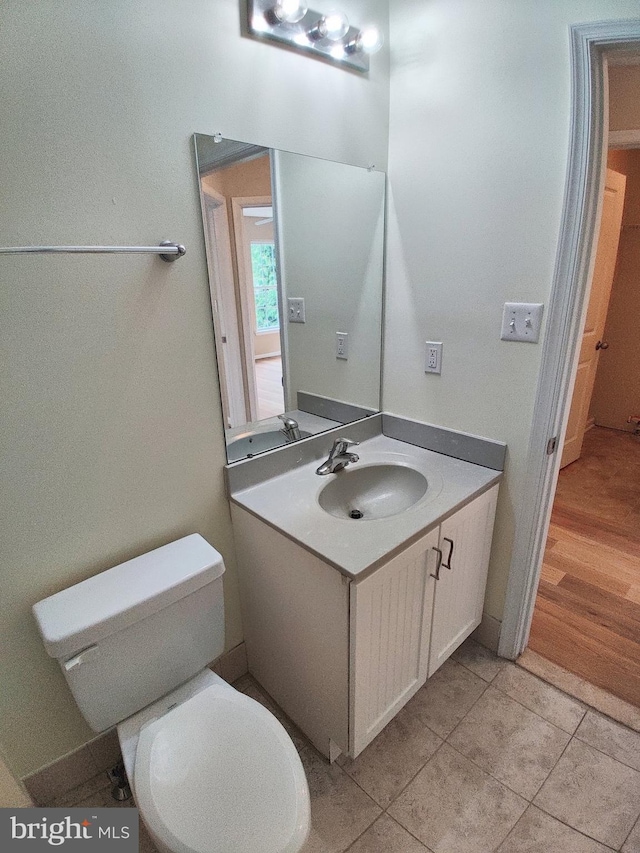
342,345
433,357
522,321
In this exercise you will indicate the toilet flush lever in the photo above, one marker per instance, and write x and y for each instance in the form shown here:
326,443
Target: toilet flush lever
81,657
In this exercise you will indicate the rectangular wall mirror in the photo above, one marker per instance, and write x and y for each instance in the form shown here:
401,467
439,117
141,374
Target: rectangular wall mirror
295,259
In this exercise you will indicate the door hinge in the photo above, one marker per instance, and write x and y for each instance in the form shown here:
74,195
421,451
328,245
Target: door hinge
551,445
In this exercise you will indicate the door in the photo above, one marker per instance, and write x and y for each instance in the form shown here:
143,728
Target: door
465,542
223,307
592,343
245,297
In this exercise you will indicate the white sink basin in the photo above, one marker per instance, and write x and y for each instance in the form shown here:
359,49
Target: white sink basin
372,491
403,489
258,442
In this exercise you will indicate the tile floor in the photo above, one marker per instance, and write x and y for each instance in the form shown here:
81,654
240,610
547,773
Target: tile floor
486,757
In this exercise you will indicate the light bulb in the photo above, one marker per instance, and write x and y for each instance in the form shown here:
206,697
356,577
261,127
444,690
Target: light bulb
369,39
289,11
333,26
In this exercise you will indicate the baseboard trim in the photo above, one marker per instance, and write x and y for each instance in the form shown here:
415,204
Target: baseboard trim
232,665
488,632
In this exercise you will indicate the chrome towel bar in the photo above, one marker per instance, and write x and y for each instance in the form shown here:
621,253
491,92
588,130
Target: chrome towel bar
167,250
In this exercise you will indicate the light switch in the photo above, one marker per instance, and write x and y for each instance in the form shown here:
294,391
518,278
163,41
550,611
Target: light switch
521,321
295,307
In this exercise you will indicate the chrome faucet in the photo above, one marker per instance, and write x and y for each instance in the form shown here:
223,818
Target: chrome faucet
338,457
290,429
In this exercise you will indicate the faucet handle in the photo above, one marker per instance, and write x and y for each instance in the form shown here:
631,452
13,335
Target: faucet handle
340,445
287,421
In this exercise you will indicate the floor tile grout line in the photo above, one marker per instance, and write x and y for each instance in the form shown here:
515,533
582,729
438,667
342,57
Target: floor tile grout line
408,831
487,685
636,823
415,775
606,754
547,684
366,829
586,834
468,668
384,808
585,702
380,816
544,781
579,831
488,773
553,817
377,804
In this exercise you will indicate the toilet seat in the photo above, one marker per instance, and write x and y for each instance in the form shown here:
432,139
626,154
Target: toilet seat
219,774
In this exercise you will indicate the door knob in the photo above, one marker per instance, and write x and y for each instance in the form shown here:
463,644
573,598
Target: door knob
602,345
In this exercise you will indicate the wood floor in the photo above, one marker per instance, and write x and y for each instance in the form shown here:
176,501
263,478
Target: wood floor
269,387
587,613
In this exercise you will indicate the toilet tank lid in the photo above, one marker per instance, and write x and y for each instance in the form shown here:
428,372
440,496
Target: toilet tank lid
89,611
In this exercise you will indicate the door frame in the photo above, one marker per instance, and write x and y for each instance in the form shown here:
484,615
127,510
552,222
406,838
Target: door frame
567,305
225,322
246,308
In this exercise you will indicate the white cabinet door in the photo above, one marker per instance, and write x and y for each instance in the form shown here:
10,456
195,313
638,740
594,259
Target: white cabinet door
465,542
390,629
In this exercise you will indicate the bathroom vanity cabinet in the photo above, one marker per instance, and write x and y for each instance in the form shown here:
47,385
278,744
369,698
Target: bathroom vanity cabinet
341,655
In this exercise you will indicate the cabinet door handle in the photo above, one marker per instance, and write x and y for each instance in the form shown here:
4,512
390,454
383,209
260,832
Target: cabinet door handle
438,564
448,565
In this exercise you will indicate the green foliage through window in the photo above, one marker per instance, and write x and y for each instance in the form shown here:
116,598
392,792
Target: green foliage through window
265,286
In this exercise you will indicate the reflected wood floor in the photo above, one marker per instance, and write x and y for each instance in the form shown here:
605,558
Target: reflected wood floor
587,613
269,387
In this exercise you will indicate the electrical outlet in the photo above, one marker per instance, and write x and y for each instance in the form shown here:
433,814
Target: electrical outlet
295,306
521,321
342,345
433,357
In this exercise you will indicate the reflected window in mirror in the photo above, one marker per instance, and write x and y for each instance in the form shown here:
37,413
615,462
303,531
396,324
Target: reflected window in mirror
279,225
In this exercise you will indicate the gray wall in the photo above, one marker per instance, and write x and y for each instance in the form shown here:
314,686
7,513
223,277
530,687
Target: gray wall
331,219
479,134
111,438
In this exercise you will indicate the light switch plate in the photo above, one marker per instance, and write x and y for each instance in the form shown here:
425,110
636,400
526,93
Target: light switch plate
295,307
521,321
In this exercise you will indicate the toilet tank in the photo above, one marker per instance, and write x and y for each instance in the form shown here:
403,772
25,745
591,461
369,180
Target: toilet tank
127,636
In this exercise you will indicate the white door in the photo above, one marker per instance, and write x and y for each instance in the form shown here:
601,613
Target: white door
603,271
465,542
223,306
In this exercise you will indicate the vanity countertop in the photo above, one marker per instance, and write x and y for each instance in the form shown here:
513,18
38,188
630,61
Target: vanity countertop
289,502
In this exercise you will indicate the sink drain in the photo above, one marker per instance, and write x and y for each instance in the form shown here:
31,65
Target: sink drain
355,513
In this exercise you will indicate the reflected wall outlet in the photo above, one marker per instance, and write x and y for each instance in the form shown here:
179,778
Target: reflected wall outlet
342,345
295,307
433,357
521,321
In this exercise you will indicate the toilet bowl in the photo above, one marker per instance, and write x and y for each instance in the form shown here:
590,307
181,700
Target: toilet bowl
211,770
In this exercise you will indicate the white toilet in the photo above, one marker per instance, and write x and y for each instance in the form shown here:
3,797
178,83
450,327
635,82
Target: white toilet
212,771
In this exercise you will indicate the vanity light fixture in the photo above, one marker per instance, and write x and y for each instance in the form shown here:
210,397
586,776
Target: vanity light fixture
328,35
333,26
289,11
